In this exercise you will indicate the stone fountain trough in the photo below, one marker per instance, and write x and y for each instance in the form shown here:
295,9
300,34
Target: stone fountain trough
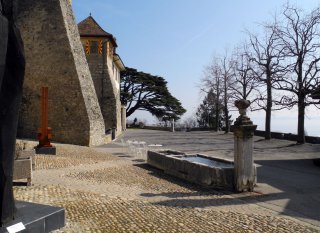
199,169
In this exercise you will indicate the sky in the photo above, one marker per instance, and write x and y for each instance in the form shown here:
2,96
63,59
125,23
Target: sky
176,39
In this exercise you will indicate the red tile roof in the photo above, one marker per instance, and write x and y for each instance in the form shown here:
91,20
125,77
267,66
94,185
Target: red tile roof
90,28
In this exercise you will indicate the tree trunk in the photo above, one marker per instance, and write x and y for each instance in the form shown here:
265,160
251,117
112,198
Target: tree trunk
226,113
131,110
301,111
217,117
268,111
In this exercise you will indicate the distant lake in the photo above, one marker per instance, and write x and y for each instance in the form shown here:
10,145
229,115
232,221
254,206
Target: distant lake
286,121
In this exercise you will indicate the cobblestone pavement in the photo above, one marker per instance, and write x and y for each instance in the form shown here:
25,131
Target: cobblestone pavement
89,212
107,193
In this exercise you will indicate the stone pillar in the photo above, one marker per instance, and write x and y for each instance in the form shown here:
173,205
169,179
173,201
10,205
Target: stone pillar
245,174
124,117
172,125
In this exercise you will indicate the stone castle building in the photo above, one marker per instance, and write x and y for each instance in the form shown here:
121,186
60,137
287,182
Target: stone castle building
105,66
55,58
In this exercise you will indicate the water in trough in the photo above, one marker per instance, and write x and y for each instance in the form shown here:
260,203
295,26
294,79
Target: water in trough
208,162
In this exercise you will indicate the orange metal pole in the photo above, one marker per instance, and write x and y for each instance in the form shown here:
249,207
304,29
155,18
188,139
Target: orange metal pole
44,133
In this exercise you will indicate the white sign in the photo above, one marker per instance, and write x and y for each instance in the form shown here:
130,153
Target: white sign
16,228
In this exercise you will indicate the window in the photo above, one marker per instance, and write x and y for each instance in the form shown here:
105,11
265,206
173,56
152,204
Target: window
94,47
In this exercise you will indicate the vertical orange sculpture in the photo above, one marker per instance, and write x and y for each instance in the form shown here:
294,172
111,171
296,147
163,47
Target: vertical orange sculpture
45,132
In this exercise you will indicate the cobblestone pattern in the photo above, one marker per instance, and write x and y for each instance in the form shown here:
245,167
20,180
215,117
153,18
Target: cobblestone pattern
151,179
69,155
89,212
110,194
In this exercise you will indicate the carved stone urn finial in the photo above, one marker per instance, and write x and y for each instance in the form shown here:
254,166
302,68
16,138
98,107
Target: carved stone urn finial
242,106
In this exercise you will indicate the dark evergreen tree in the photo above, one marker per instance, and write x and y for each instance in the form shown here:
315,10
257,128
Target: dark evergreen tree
143,91
207,114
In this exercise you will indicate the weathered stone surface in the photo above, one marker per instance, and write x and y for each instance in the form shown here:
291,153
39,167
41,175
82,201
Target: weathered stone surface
105,66
244,169
175,164
107,88
55,58
23,169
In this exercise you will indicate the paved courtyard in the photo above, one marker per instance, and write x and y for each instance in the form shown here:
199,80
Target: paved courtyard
108,189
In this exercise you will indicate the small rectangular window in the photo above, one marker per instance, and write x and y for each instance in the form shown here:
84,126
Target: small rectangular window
94,47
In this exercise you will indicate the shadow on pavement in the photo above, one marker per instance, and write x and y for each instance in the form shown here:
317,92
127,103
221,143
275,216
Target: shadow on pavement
296,189
298,182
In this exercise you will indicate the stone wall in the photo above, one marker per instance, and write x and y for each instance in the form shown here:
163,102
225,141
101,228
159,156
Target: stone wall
55,58
107,88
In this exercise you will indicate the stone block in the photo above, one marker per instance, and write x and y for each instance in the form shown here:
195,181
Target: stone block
22,169
180,165
37,218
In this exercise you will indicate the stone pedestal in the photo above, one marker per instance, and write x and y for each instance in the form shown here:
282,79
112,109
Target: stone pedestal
46,150
245,171
23,169
37,218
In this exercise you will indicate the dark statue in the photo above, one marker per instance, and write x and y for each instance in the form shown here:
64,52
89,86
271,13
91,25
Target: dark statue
12,67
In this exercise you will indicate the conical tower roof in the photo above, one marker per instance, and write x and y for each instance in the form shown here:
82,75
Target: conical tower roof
90,28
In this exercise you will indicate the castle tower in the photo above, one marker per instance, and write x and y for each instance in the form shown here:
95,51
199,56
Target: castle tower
105,66
55,58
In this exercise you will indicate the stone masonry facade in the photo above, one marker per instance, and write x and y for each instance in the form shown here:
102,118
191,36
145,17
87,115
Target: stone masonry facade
55,58
107,89
105,66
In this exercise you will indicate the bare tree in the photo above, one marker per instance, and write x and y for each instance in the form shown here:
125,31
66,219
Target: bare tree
189,122
266,56
218,79
212,83
227,72
245,81
299,36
